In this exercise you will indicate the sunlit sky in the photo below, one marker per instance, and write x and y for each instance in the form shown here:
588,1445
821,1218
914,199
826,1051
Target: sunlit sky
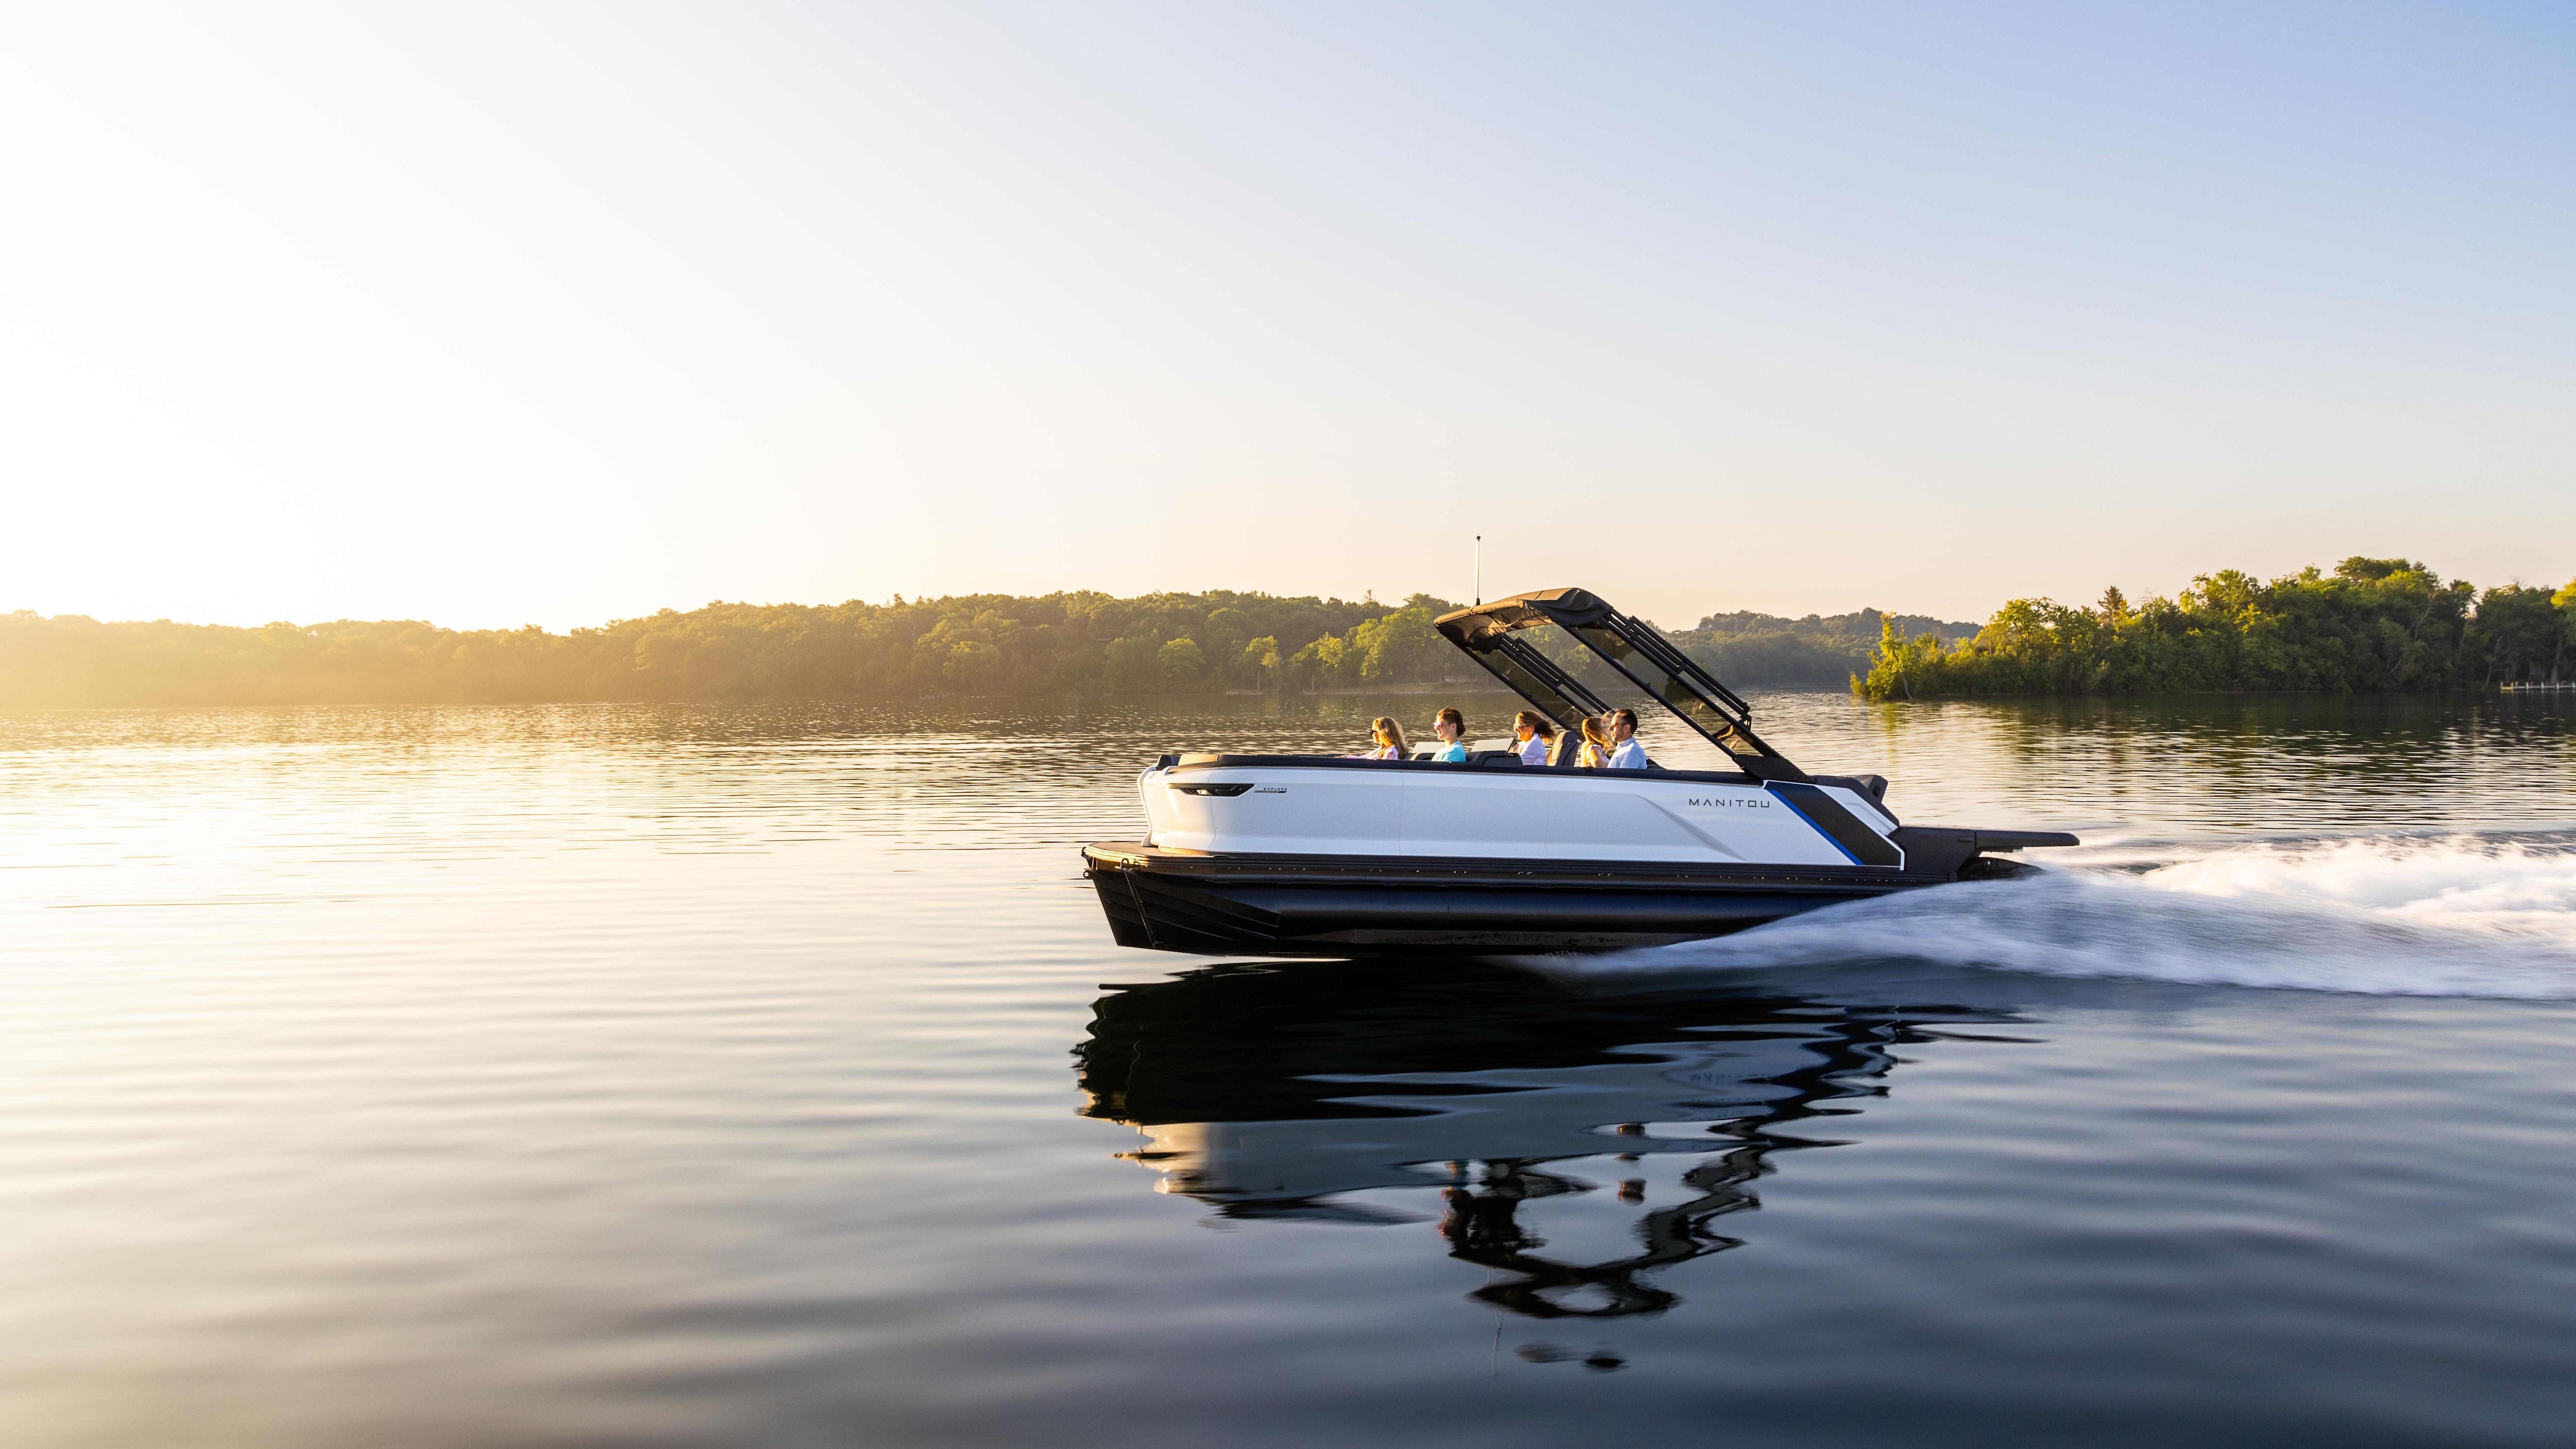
556,313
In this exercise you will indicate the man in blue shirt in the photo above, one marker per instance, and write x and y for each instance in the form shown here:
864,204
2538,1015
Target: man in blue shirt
1625,752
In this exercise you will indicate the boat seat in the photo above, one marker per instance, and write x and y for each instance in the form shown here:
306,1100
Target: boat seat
1494,758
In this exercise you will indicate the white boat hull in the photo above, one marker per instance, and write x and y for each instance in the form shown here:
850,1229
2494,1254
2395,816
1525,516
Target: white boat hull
1459,812
1272,855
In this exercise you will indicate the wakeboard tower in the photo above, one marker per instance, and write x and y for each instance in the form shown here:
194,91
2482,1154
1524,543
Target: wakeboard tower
1319,855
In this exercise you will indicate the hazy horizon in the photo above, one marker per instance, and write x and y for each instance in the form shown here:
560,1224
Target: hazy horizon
1677,623
488,316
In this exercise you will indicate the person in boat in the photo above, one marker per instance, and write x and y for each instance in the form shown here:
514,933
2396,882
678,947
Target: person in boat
1626,753
1389,738
1451,727
1536,735
1595,747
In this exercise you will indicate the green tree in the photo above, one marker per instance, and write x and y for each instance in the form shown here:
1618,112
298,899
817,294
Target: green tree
1132,664
2520,634
1181,663
1396,648
1319,663
2373,624
1259,662
1750,648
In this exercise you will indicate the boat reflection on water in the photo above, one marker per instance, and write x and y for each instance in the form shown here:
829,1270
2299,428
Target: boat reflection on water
1334,1091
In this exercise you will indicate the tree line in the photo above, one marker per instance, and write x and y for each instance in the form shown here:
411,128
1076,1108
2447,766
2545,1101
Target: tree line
965,644
2371,624
977,644
1747,648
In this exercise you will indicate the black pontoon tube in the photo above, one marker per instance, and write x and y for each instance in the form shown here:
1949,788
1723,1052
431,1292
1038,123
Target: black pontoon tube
1630,645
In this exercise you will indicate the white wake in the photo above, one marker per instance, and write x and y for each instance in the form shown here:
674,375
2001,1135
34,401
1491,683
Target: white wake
2384,916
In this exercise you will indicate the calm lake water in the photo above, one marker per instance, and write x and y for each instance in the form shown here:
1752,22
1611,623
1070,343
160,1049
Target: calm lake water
764,1075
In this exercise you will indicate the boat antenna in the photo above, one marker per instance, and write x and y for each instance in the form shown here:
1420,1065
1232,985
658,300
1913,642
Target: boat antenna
1480,571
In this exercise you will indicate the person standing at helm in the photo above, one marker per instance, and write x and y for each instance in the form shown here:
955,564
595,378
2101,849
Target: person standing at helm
1625,752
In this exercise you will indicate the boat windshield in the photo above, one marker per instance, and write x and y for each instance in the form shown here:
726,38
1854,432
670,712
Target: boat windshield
1540,680
1630,645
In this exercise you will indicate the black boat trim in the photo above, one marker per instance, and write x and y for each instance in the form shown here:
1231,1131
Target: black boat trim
1858,843
2023,839
1173,900
1469,870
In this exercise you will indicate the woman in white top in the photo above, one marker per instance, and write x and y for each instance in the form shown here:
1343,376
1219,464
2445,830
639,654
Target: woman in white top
1389,738
1535,734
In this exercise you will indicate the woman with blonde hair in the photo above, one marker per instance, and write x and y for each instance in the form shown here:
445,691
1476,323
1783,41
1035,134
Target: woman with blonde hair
1389,738
1595,753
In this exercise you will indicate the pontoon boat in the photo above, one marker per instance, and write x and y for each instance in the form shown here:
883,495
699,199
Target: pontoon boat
1311,855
